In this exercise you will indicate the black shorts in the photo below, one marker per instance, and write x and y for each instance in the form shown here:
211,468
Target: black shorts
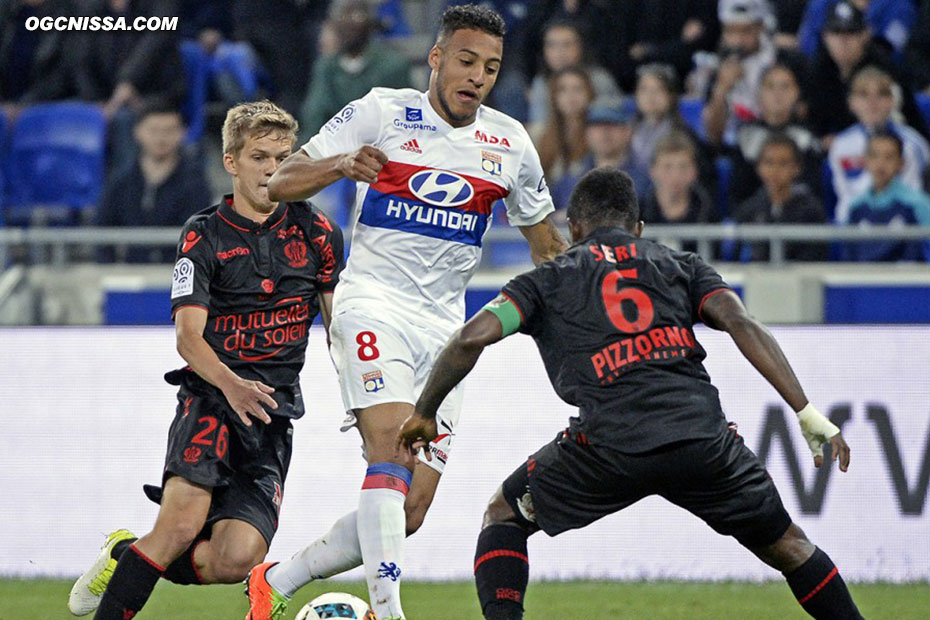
244,465
568,485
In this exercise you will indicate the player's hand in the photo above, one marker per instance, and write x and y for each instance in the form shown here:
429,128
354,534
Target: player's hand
818,430
839,449
247,397
364,164
417,432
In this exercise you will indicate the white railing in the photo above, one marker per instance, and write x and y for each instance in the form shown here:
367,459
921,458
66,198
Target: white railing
50,245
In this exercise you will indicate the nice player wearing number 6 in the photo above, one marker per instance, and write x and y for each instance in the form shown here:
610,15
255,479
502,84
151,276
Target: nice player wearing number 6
428,168
613,319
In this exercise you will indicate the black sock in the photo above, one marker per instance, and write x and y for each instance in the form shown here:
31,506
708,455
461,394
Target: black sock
120,547
130,587
183,571
501,571
821,591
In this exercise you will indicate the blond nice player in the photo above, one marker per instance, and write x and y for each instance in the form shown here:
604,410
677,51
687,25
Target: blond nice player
428,168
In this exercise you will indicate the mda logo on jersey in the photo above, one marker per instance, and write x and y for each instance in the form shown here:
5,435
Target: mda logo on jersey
441,188
373,381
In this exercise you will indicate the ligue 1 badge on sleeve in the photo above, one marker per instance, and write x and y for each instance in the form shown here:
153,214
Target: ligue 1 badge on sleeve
491,163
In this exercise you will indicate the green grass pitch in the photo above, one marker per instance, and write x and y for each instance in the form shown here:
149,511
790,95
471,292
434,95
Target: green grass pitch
575,600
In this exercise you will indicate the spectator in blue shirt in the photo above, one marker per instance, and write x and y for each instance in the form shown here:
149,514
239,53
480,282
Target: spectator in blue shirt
608,136
888,202
889,20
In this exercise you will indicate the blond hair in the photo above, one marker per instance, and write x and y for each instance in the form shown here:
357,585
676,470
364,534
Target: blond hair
255,119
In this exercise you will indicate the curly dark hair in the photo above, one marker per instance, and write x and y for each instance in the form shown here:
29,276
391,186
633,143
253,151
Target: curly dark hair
471,17
603,197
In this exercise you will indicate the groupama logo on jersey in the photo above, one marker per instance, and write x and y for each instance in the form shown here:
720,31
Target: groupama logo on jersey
441,188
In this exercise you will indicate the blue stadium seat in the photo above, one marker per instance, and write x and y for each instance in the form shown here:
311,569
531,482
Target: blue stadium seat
502,254
691,110
197,70
923,102
56,156
239,63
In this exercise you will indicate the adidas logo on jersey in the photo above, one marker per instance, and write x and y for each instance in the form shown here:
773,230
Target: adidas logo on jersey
412,146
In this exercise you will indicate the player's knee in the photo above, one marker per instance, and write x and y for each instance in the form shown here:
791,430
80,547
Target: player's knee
233,562
499,511
790,551
178,534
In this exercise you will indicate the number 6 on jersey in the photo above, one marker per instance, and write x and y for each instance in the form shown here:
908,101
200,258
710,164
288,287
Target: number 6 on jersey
613,302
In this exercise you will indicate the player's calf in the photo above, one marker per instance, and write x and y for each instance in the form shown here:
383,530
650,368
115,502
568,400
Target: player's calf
811,575
820,589
501,562
420,496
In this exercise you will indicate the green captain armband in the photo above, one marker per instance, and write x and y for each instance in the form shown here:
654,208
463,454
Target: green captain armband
506,312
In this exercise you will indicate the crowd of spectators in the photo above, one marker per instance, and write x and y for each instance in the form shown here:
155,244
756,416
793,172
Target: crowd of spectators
752,111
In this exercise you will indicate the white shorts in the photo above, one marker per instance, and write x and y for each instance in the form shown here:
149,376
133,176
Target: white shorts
388,360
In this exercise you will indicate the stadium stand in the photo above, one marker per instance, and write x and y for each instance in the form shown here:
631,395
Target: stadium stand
197,68
923,102
2,165
691,109
56,155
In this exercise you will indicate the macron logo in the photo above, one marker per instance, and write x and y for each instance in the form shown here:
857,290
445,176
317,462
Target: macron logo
411,146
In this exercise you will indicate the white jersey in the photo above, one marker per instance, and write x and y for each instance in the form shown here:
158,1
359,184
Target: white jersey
847,163
419,228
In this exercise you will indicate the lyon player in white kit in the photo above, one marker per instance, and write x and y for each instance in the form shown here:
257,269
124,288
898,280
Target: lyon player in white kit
428,167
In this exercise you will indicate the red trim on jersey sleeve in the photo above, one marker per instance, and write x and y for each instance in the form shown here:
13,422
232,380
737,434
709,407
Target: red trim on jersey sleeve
708,296
176,310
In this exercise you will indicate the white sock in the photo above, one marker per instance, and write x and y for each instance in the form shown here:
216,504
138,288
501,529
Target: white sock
381,533
335,552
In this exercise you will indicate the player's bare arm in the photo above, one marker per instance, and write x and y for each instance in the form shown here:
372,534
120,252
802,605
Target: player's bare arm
244,396
300,177
326,312
454,363
546,242
726,311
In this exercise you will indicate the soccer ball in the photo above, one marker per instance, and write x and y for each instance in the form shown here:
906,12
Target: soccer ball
336,605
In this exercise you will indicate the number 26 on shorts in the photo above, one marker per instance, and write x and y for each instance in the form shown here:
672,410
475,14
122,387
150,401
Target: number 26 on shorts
367,350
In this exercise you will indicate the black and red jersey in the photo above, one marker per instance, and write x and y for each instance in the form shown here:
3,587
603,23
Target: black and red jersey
259,284
613,319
